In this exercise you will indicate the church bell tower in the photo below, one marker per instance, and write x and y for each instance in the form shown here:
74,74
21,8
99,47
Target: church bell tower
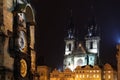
69,45
92,38
70,39
92,45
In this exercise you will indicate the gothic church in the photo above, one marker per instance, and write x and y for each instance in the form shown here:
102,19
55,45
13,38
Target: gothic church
81,54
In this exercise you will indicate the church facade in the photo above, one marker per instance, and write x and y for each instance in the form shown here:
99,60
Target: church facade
82,54
17,39
81,59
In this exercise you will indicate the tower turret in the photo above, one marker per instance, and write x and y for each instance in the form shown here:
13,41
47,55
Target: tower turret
69,42
70,39
69,45
93,44
92,38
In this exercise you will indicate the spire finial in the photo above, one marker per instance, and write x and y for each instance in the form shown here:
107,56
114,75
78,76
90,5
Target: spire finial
70,27
92,26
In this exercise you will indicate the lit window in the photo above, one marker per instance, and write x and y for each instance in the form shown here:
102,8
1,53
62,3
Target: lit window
104,76
90,71
87,71
97,76
83,75
109,71
76,76
94,75
98,71
87,76
109,76
80,76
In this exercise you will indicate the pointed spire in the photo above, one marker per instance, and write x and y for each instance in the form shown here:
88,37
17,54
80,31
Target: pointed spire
92,26
70,27
70,34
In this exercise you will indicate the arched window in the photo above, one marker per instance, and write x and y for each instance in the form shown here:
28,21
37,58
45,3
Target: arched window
69,47
91,45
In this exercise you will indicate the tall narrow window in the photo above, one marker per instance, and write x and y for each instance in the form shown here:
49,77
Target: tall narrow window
91,45
69,47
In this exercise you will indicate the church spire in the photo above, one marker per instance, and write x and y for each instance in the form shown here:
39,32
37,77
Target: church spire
70,27
93,37
70,39
93,29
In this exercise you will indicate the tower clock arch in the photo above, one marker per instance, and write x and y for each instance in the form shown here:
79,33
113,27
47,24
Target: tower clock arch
23,39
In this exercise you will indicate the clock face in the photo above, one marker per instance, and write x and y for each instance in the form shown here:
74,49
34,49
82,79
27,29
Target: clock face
23,67
22,42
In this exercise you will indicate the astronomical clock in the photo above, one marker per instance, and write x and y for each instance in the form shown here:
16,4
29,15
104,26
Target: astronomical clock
24,23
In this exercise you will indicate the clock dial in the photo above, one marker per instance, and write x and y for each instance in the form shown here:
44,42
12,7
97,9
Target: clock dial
22,42
23,67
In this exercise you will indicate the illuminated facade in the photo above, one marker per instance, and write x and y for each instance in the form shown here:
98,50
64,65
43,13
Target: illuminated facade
82,63
109,73
17,39
43,72
81,60
85,73
81,54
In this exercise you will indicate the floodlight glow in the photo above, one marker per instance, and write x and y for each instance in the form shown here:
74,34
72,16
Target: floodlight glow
119,41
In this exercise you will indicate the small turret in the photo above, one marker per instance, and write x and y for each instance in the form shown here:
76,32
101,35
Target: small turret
70,39
92,38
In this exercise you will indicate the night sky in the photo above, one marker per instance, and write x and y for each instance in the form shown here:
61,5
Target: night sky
52,17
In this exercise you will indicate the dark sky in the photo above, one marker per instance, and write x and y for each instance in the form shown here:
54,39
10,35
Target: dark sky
52,17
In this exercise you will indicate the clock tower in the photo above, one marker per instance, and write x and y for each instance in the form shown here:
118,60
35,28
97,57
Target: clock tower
17,54
23,39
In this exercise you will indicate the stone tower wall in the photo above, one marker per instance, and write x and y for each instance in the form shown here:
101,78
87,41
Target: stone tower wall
118,61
